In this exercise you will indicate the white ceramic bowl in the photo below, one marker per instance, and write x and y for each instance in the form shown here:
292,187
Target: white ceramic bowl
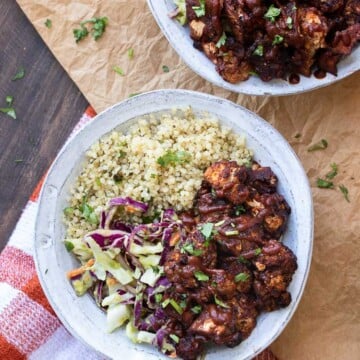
179,38
80,315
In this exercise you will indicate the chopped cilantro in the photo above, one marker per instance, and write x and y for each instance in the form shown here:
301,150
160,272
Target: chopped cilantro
134,94
241,277
243,260
189,248
48,23
130,53
19,75
272,13
200,10
88,213
345,192
239,209
98,28
173,158
330,175
278,39
68,211
324,184
207,230
119,70
221,41
220,302
165,69
69,245
199,275
259,51
321,145
257,251
196,309
183,304
9,110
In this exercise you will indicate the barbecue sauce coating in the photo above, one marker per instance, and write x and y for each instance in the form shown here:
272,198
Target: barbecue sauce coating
274,38
224,278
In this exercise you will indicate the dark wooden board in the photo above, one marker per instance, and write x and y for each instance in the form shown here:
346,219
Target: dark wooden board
47,103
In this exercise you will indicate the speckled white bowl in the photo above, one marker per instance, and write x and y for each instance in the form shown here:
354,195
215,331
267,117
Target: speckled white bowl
80,315
178,37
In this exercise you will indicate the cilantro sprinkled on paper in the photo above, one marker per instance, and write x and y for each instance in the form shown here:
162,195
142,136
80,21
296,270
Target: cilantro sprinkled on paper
48,23
97,28
130,53
119,70
165,69
345,192
324,184
334,171
320,145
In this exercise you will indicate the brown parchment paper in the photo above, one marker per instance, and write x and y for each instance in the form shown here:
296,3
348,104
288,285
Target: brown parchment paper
327,322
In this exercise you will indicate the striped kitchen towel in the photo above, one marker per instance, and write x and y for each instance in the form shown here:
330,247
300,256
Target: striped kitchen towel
29,328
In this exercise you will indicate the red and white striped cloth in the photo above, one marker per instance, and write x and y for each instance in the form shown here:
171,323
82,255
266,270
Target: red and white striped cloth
29,328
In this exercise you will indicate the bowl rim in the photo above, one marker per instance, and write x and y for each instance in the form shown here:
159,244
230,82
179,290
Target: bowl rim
137,100
260,88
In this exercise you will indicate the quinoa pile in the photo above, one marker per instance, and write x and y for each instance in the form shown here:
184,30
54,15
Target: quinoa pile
160,161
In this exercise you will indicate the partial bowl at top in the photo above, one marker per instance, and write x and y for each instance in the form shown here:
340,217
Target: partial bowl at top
80,315
179,38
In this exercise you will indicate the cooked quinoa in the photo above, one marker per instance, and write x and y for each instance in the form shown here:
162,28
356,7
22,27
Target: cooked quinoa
126,164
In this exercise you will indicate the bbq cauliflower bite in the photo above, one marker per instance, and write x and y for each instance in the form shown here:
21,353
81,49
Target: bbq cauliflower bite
275,268
227,178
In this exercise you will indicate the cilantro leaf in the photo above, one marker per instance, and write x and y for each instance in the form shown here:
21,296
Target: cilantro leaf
165,69
324,184
196,309
173,158
199,275
221,41
9,100
239,209
19,75
257,251
241,277
200,10
48,23
119,70
88,213
278,39
272,13
189,248
345,192
259,51
330,175
9,111
321,145
130,53
207,230
69,245
80,34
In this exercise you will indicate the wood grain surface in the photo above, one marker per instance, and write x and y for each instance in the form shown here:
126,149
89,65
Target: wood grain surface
47,104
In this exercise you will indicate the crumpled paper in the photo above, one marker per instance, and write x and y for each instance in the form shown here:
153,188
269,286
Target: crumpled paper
327,322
